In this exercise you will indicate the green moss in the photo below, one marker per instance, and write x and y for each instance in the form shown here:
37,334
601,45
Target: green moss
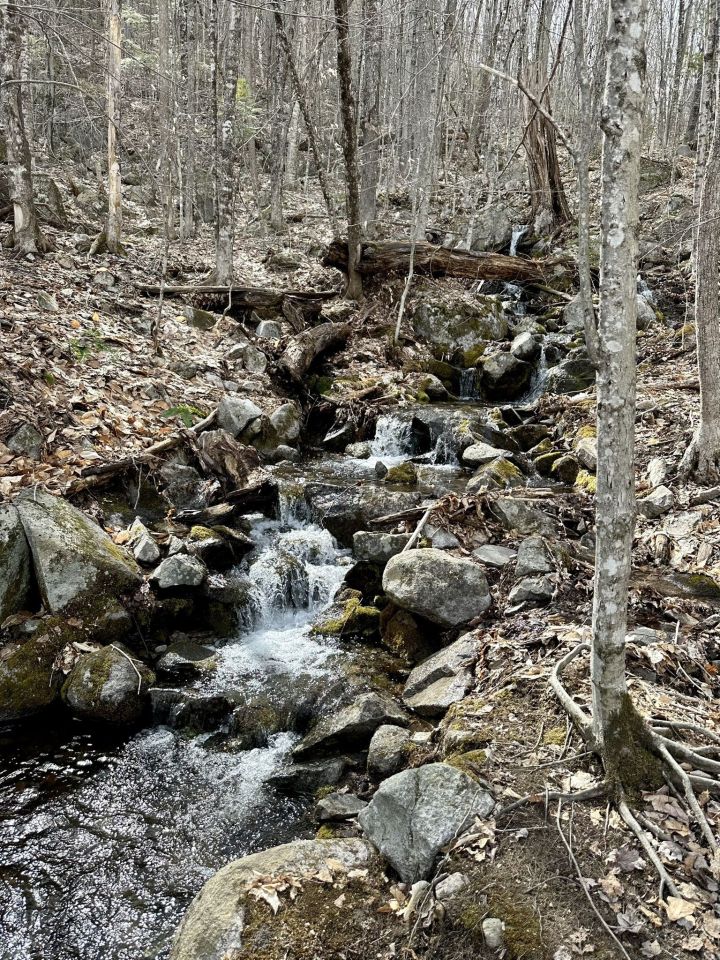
555,736
545,446
472,357
198,533
631,765
320,385
565,469
404,474
326,832
351,618
325,791
523,930
544,463
586,481
471,762
588,432
422,397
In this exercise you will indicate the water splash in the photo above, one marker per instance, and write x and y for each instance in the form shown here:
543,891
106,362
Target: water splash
393,438
518,231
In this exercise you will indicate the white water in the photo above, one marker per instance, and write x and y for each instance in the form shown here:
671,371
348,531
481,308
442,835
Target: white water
393,440
518,232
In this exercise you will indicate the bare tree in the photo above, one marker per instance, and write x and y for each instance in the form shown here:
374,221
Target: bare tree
370,116
228,58
27,236
113,226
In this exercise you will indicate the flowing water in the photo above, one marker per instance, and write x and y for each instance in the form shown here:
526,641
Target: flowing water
104,840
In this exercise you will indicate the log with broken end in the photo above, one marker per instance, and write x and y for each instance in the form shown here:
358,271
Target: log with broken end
393,256
310,344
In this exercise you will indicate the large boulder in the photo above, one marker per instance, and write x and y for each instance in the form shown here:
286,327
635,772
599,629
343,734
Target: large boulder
461,322
353,726
109,685
574,374
287,421
345,510
443,679
224,921
416,812
235,414
15,566
445,590
79,569
29,682
505,377
520,517
492,229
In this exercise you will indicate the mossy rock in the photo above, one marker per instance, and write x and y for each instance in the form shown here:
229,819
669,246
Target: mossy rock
404,474
109,686
586,481
544,463
473,356
471,762
499,474
555,736
588,432
402,635
349,619
29,682
565,469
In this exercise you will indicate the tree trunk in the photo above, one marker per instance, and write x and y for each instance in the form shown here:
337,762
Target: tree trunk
166,121
27,237
113,229
225,187
187,30
616,725
370,118
349,142
703,455
303,349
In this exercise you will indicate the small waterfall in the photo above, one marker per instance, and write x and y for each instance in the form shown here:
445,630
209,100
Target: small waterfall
393,438
537,384
469,384
518,231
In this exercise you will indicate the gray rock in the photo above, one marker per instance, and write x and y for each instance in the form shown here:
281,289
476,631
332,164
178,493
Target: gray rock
186,658
645,313
47,301
77,565
183,486
345,510
442,679
235,414
586,453
144,548
532,590
308,776
286,422
27,441
339,436
361,450
657,471
213,926
416,812
493,931
352,726
378,547
494,556
504,376
445,590
388,751
15,565
573,316
461,322
254,360
659,502
533,557
110,686
491,230
517,515
574,374
526,347
175,545
200,319
28,681
340,806
180,570
269,330
451,887
439,538
478,454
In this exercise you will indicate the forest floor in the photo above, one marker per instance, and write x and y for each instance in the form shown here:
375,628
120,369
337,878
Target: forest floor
79,366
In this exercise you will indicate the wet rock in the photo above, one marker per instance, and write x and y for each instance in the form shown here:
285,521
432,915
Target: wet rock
28,681
286,422
309,776
77,566
269,330
200,319
179,571
460,322
403,474
351,727
109,686
254,360
499,474
659,502
532,590
504,376
526,347
15,563
574,374
445,590
27,441
442,679
144,548
401,634
378,547
478,454
214,925
344,510
426,386
388,751
533,557
366,578
185,658
517,515
339,806
565,469
416,812
217,548
494,556
362,450
338,437
348,618
235,414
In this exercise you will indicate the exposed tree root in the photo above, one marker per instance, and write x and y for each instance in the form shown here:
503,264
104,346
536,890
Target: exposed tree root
701,461
669,752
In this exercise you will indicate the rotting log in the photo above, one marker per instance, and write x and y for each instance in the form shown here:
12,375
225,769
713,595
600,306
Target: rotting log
262,496
303,349
242,298
393,256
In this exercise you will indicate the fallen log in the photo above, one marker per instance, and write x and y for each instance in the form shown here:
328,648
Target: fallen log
250,298
262,496
303,349
394,256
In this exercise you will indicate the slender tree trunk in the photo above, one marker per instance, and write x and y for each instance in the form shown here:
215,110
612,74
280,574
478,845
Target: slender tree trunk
370,118
703,455
27,237
187,30
349,142
113,229
225,189
617,727
166,122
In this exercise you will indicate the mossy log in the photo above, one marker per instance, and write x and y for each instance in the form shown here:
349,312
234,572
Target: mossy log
303,349
393,256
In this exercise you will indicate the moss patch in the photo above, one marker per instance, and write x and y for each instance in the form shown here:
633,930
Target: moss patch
470,762
586,481
404,474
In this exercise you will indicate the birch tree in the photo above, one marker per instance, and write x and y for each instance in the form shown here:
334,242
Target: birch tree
113,227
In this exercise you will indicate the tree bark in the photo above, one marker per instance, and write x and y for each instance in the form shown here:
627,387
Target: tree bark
186,167
703,455
225,185
370,118
308,345
27,237
113,228
616,726
350,152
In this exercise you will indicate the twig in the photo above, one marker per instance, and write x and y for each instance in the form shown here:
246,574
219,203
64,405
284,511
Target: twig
418,530
132,664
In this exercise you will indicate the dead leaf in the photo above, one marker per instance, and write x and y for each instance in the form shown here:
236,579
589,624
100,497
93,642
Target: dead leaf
679,909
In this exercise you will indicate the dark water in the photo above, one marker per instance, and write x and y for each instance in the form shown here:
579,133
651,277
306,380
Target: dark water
104,842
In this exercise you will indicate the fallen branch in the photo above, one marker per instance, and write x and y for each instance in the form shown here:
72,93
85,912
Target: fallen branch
250,298
307,346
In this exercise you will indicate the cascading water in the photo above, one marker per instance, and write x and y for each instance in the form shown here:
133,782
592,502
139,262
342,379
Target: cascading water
104,840
469,384
518,232
393,439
